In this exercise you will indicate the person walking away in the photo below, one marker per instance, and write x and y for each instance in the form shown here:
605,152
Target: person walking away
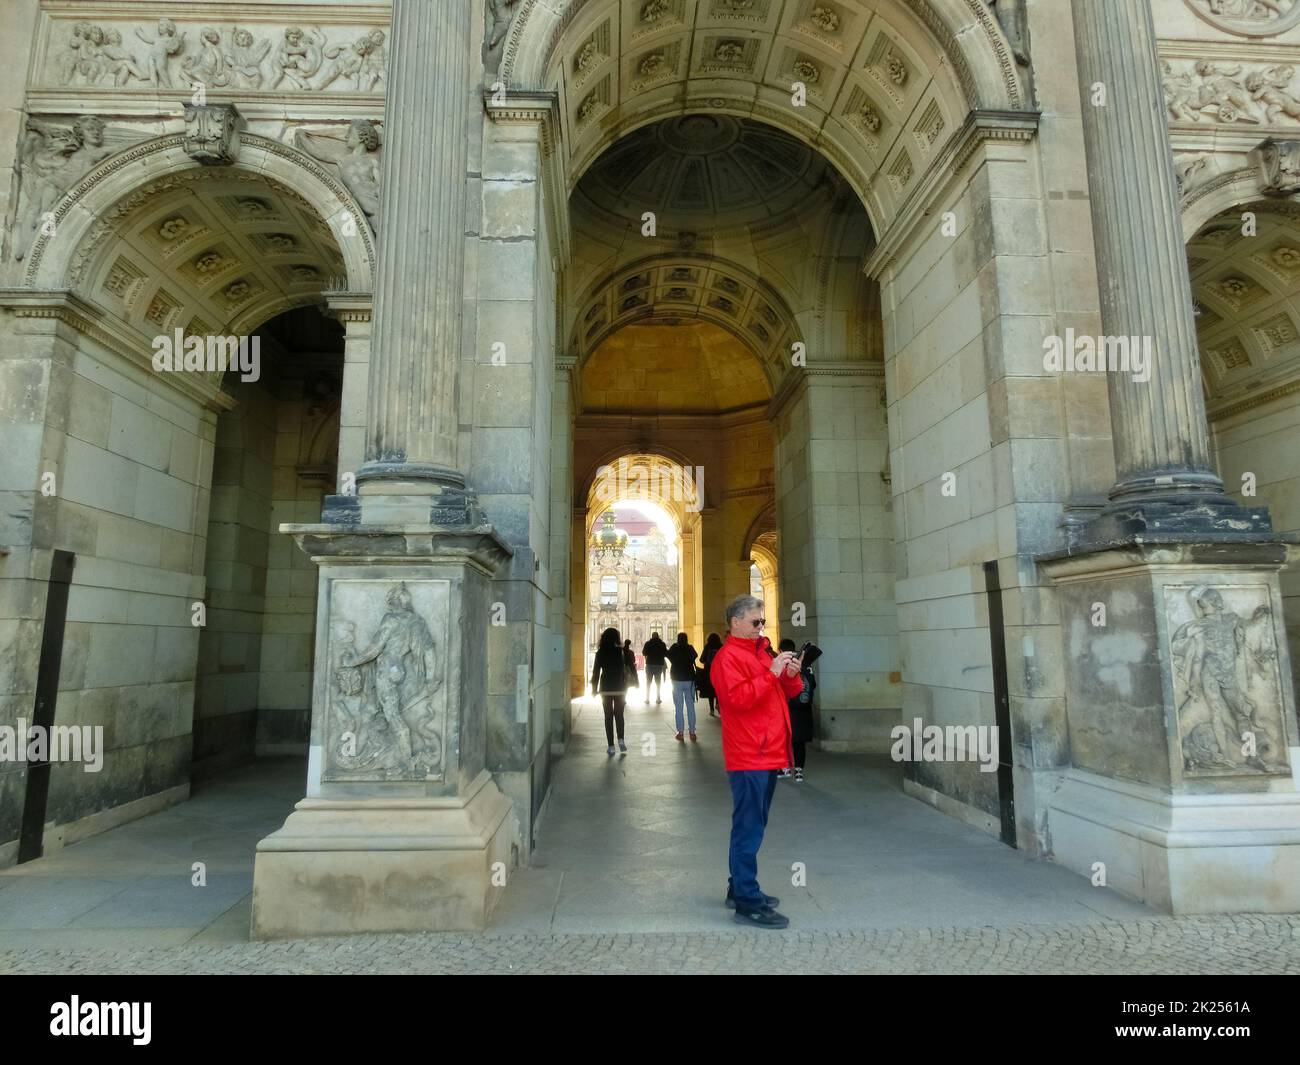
655,653
801,717
629,665
753,688
607,678
711,647
681,657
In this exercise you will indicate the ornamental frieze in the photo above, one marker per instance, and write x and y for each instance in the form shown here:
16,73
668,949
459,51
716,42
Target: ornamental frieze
179,53
1230,92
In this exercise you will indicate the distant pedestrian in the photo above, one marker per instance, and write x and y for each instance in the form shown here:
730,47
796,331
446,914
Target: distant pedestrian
608,677
711,647
801,717
655,652
629,661
682,657
752,690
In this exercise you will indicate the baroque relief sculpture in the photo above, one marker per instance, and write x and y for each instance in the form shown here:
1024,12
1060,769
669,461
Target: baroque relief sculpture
358,161
1228,92
53,159
383,722
219,58
1226,684
500,16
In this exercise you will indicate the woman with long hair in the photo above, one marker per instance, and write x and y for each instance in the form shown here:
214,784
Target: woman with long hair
608,677
711,647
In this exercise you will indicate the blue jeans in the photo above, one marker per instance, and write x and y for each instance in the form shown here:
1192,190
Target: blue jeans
751,795
684,698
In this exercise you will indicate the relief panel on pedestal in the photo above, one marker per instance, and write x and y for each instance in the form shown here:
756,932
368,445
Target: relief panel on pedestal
1227,688
386,712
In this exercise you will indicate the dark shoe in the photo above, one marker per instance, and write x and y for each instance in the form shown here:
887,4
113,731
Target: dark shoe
798,776
764,918
679,738
622,746
770,901
693,739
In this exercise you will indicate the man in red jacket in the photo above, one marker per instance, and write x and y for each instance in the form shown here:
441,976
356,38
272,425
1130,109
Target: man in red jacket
753,689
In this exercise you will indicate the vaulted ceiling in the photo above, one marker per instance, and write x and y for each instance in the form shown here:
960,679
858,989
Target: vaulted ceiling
1247,293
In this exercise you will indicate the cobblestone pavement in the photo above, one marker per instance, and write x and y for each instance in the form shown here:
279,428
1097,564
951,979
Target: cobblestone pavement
1235,944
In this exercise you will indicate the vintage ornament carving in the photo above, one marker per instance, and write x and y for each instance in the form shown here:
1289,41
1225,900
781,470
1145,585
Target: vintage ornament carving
896,69
651,64
806,70
653,10
870,118
729,51
211,133
1279,163
824,18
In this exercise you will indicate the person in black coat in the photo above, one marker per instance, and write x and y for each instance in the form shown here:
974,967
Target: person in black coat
801,717
608,677
656,655
681,658
629,663
711,647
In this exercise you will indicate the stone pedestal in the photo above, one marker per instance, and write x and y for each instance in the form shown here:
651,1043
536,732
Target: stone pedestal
1183,737
403,828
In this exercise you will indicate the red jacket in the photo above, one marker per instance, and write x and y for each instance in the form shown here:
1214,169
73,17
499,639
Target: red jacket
755,715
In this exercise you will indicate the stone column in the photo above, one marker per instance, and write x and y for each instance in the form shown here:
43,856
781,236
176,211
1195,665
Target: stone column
404,827
1165,480
1181,718
416,335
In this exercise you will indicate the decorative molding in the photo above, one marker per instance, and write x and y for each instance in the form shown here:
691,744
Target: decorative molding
94,322
980,127
1227,410
527,108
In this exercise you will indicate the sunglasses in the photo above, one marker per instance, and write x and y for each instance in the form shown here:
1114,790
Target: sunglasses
758,623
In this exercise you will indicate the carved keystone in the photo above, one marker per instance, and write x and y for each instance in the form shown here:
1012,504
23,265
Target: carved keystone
1279,162
210,133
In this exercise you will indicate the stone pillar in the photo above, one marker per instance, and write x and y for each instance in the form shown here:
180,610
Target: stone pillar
1181,788
411,435
404,827
354,311
1165,480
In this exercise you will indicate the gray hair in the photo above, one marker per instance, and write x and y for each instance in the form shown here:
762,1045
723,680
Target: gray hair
742,605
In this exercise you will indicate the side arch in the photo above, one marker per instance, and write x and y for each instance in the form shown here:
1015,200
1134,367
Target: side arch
86,216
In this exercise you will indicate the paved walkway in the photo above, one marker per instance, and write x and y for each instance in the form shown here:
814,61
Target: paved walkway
628,876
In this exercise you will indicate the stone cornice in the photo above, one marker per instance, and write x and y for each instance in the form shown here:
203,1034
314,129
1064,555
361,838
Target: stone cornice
1231,407
525,106
350,306
92,321
796,380
980,128
733,419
